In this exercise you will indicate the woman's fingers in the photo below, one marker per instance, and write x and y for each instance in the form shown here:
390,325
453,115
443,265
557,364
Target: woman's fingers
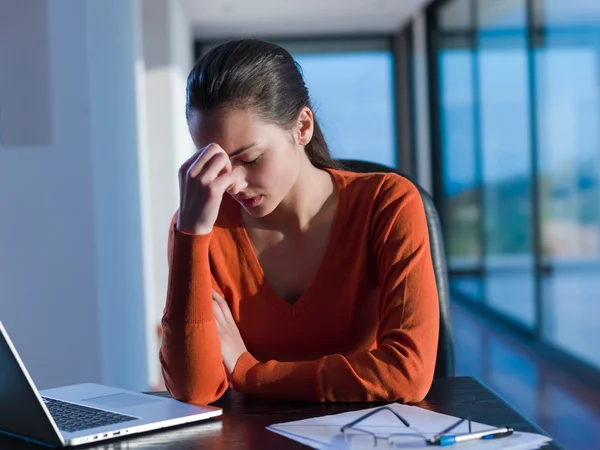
188,162
207,153
219,317
199,199
223,182
225,312
217,165
232,344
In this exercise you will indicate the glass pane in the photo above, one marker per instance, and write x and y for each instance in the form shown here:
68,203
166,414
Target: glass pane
506,158
471,338
513,371
568,95
461,212
352,93
466,286
584,417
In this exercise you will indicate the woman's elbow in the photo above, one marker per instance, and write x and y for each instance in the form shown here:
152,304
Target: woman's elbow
419,388
414,386
414,390
197,397
195,393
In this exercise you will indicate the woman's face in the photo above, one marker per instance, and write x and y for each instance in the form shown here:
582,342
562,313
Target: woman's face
265,158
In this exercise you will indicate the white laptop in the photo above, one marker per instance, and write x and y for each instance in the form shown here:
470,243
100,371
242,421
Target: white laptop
83,413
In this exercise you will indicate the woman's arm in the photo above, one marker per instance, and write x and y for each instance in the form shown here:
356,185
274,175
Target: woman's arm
401,367
190,353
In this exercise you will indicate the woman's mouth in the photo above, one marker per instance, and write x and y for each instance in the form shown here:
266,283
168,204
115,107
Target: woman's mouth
250,202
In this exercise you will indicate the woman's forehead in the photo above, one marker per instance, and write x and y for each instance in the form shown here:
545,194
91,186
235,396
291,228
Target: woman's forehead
231,129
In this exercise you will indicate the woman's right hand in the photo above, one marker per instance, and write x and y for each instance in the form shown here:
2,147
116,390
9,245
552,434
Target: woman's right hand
203,179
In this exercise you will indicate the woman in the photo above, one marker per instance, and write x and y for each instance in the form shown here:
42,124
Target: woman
290,278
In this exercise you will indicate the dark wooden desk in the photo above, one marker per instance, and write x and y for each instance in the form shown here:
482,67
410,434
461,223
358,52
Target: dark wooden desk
243,423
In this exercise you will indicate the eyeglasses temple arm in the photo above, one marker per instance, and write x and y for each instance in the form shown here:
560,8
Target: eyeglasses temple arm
369,414
450,428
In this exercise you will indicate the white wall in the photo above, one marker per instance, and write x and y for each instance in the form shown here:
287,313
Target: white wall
76,240
24,108
116,144
48,283
181,63
168,56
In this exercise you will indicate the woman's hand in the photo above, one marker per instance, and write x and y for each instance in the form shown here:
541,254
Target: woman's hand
232,345
203,179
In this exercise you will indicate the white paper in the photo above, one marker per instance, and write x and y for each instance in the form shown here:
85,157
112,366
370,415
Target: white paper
324,432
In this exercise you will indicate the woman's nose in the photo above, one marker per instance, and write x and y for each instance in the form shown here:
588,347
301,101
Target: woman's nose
240,181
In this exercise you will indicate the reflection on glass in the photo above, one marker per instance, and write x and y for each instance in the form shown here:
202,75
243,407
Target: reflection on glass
471,340
506,155
576,414
486,135
461,211
510,368
571,296
568,95
352,94
467,286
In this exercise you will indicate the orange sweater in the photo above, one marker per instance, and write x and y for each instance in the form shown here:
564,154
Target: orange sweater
366,329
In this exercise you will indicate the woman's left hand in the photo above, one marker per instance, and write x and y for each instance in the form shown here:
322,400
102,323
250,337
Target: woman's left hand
232,345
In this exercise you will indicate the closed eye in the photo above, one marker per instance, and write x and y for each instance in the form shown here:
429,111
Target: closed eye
249,163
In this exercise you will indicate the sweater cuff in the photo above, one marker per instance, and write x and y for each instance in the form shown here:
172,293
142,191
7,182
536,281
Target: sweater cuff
190,294
240,371
294,380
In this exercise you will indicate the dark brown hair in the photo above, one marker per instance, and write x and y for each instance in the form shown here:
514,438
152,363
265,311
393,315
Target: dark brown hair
263,76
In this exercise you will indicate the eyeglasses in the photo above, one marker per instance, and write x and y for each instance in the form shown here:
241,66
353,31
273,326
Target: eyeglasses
356,437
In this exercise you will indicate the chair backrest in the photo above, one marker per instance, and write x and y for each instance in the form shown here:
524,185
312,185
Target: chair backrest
444,366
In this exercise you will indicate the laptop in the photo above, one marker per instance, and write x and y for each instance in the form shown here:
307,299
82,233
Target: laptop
82,413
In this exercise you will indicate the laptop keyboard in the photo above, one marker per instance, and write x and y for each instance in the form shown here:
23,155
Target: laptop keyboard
70,417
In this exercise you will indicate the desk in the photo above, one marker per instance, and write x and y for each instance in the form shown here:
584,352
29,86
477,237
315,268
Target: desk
243,423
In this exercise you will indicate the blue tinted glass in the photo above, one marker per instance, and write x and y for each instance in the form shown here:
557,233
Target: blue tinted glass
352,94
461,211
461,206
518,377
568,95
502,60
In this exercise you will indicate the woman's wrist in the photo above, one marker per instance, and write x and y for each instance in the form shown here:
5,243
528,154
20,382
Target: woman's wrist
196,230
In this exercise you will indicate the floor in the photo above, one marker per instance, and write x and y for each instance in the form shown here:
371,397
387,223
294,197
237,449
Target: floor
566,408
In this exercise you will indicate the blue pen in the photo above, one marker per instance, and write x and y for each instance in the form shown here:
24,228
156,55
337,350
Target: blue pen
487,434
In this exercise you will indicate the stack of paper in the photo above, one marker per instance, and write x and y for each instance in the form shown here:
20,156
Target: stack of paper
324,432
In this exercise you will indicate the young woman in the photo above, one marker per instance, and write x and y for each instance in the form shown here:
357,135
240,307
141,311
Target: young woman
289,277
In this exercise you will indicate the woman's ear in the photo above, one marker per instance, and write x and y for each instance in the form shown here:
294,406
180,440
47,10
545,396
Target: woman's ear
305,126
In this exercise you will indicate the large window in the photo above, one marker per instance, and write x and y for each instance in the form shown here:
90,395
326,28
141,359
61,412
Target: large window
506,157
351,87
352,93
461,183
518,107
568,105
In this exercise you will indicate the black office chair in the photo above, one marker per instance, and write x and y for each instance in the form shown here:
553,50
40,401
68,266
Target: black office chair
444,365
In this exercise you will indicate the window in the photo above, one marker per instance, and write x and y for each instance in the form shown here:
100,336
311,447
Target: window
461,209
506,158
519,123
568,96
352,94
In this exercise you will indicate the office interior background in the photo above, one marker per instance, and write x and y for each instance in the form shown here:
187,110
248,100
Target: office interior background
493,106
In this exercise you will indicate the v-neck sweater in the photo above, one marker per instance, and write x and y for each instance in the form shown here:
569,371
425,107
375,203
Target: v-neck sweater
366,328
